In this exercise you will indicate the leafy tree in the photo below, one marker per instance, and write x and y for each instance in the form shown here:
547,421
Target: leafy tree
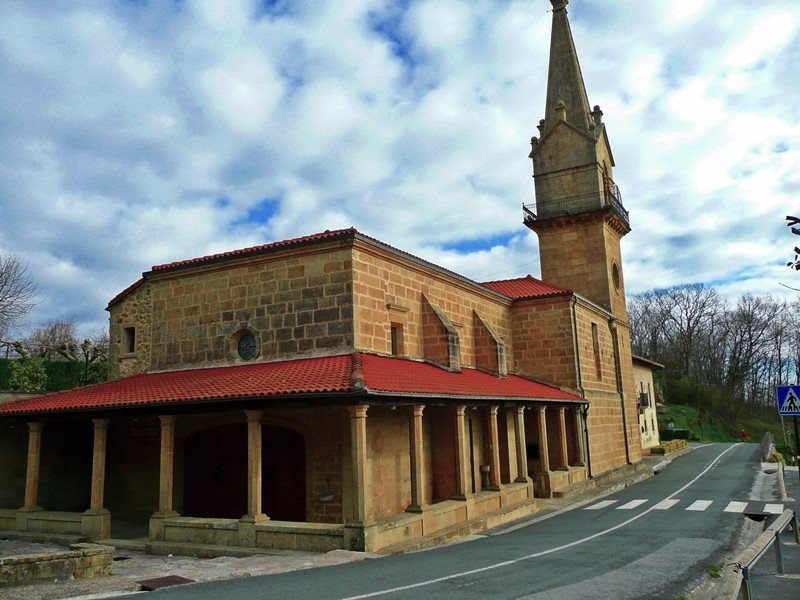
27,375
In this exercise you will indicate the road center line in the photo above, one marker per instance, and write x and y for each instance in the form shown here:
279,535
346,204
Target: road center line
512,561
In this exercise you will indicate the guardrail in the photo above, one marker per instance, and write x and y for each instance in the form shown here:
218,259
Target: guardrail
740,578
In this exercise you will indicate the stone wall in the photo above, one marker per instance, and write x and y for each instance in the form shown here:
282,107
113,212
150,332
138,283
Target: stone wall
389,289
295,303
388,446
544,342
81,561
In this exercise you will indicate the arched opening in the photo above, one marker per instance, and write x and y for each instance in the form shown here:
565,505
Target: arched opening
215,473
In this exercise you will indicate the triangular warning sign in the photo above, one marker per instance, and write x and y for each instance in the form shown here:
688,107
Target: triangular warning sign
791,403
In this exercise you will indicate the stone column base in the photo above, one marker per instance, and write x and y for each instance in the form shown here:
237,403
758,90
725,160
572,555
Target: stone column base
22,516
247,529
156,533
359,536
96,524
543,486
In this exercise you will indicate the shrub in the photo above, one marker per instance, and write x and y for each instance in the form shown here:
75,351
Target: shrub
27,375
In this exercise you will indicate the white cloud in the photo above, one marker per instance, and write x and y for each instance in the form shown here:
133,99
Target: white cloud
139,133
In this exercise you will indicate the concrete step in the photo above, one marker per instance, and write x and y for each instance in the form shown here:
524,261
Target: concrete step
213,551
60,539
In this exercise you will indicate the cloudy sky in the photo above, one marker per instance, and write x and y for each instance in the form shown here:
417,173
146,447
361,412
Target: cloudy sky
140,132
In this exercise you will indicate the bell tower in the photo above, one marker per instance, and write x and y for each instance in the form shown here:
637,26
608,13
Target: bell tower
578,214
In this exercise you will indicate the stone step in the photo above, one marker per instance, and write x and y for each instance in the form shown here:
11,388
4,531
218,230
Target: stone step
117,544
213,551
60,539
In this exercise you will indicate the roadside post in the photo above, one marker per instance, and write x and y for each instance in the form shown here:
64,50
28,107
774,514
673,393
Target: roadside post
789,404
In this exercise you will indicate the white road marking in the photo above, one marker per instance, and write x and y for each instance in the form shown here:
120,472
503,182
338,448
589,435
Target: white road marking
632,504
699,505
735,507
513,561
773,509
600,505
666,504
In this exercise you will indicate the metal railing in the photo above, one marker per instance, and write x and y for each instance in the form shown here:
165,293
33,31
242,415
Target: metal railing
545,208
739,581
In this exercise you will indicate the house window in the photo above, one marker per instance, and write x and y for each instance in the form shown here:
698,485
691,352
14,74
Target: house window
128,340
596,349
615,277
396,335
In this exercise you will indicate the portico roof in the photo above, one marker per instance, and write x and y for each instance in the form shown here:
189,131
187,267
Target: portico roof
355,374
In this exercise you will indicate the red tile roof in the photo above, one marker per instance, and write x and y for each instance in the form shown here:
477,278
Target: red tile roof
116,299
528,287
356,373
263,248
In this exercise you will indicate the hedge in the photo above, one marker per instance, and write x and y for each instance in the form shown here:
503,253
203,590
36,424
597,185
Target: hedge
61,374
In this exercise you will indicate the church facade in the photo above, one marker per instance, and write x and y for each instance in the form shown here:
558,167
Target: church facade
331,391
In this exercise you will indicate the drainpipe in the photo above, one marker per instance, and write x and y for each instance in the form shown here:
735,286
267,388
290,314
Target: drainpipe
612,325
585,408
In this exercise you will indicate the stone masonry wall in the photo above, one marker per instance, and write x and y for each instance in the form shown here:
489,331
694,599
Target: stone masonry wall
388,289
388,441
294,303
543,341
607,446
134,311
13,461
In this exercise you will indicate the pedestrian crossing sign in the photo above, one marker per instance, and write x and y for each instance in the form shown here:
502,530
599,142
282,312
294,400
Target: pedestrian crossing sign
789,399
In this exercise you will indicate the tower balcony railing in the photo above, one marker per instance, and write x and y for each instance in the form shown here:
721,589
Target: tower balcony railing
546,208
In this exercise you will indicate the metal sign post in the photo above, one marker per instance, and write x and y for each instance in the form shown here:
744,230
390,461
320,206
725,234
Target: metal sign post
789,404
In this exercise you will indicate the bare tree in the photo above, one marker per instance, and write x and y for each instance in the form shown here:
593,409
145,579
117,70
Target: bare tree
51,335
17,291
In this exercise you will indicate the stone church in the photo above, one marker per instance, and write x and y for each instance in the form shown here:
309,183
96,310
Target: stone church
332,391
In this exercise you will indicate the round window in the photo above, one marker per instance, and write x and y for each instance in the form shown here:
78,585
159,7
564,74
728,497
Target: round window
615,276
247,347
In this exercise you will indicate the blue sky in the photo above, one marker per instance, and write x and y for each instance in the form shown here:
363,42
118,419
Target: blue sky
136,133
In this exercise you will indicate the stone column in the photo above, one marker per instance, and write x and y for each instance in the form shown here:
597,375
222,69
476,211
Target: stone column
32,473
544,452
247,524
562,438
98,463
417,462
581,460
462,455
522,452
494,441
96,522
362,484
165,478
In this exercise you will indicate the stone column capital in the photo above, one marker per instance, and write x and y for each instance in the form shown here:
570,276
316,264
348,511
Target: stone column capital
460,410
418,409
35,426
493,410
542,409
100,423
561,409
167,420
253,416
358,412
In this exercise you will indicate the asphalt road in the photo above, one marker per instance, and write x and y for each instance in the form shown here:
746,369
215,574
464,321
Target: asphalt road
644,544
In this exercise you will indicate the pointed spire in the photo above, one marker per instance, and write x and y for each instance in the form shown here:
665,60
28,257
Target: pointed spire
566,92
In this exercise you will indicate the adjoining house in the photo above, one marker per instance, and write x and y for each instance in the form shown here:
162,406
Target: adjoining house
331,391
643,369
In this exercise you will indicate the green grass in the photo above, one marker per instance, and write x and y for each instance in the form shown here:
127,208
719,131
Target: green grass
686,417
714,571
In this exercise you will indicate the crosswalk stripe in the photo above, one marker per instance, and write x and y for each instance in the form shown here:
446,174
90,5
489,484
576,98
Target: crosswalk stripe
632,504
699,505
735,507
600,505
665,504
773,509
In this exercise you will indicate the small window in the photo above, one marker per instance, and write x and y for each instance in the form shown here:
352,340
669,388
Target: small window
596,349
247,347
129,340
615,276
396,334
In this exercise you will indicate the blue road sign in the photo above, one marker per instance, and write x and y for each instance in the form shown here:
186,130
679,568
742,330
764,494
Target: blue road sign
789,399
